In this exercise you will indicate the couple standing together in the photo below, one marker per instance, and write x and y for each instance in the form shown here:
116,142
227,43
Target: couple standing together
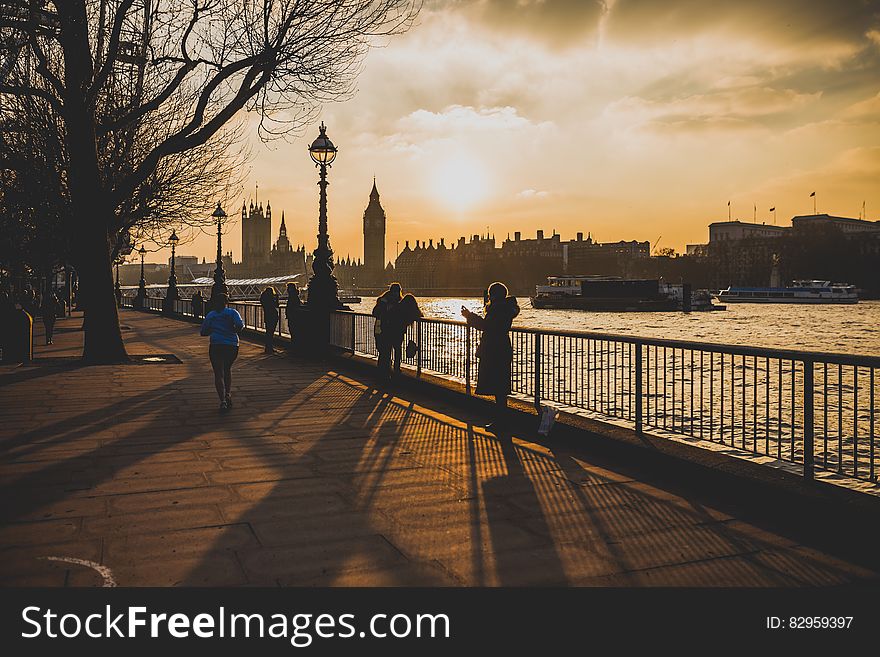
394,313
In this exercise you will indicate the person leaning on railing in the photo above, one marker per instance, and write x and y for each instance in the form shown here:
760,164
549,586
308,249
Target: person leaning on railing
495,352
269,302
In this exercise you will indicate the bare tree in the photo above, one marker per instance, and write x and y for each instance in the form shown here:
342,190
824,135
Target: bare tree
204,63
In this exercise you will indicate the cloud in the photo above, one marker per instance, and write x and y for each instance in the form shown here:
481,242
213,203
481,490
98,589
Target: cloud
460,119
724,109
555,23
530,194
865,109
802,23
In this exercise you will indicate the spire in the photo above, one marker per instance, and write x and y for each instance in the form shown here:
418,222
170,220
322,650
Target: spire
283,231
374,193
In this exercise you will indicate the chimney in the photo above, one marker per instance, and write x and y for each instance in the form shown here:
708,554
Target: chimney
516,236
442,242
431,243
580,237
540,234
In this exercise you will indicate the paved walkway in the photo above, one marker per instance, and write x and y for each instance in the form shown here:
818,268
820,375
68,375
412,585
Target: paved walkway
315,478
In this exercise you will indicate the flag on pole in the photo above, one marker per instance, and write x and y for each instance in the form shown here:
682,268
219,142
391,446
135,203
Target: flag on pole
812,194
773,209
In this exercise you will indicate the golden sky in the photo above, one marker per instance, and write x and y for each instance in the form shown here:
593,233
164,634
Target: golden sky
630,119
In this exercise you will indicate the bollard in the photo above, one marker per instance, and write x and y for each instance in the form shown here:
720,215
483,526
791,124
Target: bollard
19,343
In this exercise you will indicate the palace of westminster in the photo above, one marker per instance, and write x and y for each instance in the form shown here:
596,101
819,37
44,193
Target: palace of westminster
428,266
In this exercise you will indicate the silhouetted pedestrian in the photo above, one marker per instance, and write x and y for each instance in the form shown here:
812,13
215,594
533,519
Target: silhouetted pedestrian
292,308
269,302
398,318
495,352
224,325
198,304
387,301
49,311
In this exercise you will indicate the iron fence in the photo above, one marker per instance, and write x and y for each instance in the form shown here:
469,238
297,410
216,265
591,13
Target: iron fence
816,410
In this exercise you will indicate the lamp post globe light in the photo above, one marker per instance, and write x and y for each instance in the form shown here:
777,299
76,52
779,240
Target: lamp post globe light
323,287
142,284
219,286
172,294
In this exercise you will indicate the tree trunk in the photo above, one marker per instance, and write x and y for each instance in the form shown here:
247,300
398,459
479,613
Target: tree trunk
90,211
103,337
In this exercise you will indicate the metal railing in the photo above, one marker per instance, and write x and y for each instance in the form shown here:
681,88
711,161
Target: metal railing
815,410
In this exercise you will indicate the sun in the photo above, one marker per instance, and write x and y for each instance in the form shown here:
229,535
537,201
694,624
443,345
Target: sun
459,184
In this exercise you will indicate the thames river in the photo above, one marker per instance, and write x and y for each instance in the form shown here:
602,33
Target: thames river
853,329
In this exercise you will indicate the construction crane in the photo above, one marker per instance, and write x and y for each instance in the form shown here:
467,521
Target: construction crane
654,248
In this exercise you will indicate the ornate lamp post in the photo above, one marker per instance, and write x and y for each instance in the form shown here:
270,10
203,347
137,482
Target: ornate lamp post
219,286
118,287
142,284
172,294
323,287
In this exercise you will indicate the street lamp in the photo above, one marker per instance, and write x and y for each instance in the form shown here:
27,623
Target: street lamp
142,284
172,294
323,287
219,286
118,287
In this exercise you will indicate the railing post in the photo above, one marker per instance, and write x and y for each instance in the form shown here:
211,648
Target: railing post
538,370
419,350
638,387
467,359
353,330
808,420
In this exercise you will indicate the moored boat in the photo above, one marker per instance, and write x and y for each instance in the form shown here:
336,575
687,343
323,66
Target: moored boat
613,294
808,292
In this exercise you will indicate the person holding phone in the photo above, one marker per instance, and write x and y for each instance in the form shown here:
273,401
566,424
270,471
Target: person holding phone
495,351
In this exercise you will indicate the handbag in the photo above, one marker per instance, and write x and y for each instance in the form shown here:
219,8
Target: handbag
411,349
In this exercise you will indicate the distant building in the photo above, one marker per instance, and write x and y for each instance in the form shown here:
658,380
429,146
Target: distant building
189,267
470,265
732,231
584,256
845,224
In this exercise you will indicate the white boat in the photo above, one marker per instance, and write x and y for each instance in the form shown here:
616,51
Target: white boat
798,292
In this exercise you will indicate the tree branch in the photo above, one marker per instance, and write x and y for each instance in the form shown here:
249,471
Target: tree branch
33,92
112,52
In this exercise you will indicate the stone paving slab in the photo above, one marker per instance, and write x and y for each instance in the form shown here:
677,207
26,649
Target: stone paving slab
319,478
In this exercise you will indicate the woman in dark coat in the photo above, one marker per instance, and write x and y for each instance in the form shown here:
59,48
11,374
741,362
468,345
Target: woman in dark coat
269,302
495,351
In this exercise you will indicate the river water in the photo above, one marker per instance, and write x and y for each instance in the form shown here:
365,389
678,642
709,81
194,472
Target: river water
853,329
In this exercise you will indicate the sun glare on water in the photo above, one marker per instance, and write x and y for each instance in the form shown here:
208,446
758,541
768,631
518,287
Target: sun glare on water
459,184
